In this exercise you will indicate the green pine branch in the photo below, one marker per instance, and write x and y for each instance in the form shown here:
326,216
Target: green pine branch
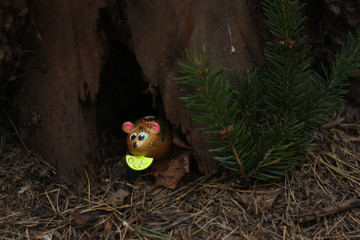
211,105
260,127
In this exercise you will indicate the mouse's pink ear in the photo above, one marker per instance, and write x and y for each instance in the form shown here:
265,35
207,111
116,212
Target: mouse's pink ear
156,127
127,126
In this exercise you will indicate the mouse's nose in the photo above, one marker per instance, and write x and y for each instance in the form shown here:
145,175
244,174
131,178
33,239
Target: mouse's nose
135,144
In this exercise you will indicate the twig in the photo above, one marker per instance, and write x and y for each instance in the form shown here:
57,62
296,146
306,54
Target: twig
17,132
327,211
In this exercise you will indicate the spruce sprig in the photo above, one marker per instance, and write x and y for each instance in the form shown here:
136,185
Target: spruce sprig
260,127
211,104
286,75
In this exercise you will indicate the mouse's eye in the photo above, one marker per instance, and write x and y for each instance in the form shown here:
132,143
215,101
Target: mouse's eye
133,136
142,136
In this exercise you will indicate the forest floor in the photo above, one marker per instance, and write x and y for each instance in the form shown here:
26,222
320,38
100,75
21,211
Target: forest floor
318,200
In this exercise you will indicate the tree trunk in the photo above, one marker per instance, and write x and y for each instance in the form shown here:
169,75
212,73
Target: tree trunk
56,101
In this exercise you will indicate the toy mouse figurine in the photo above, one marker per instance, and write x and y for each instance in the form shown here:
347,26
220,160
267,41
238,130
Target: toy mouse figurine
148,139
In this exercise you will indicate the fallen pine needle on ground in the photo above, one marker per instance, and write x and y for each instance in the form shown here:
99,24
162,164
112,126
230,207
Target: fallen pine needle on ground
319,200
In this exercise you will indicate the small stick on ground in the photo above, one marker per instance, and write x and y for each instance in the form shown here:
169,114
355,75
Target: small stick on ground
327,211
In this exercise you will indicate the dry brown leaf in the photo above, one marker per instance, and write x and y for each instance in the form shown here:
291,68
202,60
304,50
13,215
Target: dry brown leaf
107,228
78,219
269,199
117,197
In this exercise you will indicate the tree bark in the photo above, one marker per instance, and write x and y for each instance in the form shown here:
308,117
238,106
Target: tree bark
56,101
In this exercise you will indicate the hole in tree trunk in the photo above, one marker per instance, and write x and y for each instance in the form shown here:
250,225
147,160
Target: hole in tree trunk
120,98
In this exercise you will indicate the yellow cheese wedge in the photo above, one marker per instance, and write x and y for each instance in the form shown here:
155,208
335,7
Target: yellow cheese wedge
138,162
